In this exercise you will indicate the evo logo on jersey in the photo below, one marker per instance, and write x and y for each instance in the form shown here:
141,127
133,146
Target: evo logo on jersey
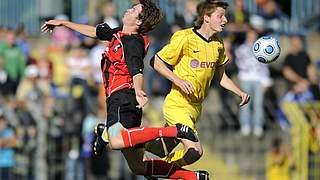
197,64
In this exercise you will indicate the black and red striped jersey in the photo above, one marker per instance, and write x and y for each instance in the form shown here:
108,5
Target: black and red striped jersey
122,58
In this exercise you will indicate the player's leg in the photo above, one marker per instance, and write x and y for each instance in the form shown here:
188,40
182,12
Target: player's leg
161,146
156,168
124,119
120,138
135,136
186,114
191,153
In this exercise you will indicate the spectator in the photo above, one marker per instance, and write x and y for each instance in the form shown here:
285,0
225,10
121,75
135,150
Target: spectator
3,32
31,87
3,77
97,167
14,62
80,70
268,18
7,143
238,21
254,78
94,56
300,73
187,16
279,161
25,151
22,42
44,64
108,14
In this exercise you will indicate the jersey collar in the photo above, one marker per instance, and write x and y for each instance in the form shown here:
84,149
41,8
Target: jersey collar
203,38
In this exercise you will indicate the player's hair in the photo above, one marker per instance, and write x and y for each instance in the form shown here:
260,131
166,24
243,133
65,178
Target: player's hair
207,7
150,16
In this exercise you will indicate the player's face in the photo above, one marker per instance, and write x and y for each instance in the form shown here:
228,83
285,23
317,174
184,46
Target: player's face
132,14
217,20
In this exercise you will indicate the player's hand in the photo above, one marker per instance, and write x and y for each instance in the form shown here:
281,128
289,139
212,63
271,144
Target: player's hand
245,98
184,85
142,98
49,25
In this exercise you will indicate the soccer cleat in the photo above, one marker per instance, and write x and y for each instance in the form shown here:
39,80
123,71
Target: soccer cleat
186,132
99,144
202,175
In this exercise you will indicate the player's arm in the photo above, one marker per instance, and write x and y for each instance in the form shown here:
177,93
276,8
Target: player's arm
227,83
134,55
101,31
141,96
171,54
81,28
162,68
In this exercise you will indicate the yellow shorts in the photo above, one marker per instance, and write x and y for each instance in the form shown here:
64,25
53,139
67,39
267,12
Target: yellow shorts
177,109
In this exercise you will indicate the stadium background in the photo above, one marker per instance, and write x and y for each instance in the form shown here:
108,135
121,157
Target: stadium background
53,119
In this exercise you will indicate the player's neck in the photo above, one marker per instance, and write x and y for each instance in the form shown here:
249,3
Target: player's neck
129,29
206,31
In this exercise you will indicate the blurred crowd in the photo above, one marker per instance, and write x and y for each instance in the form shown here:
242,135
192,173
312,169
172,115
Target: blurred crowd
51,93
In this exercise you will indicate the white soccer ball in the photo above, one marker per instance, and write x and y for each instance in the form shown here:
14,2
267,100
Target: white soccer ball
266,49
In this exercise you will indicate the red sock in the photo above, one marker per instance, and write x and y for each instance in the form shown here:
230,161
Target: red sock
134,136
162,169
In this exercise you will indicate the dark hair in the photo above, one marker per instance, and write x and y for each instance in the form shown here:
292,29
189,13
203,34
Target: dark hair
276,142
150,16
207,8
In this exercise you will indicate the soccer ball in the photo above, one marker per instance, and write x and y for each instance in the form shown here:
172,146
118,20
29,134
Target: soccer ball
266,49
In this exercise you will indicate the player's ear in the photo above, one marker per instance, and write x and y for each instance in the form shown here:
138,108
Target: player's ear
138,22
206,19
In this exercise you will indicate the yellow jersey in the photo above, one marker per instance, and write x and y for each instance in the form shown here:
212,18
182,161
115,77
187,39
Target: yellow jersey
277,171
194,59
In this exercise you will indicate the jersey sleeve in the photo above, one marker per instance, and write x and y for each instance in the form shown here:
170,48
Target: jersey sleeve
223,57
134,52
104,32
223,60
172,51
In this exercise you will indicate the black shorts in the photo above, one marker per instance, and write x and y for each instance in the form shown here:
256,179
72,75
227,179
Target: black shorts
121,107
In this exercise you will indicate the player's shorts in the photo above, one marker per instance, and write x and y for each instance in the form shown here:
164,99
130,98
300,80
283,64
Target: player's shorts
121,107
177,109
